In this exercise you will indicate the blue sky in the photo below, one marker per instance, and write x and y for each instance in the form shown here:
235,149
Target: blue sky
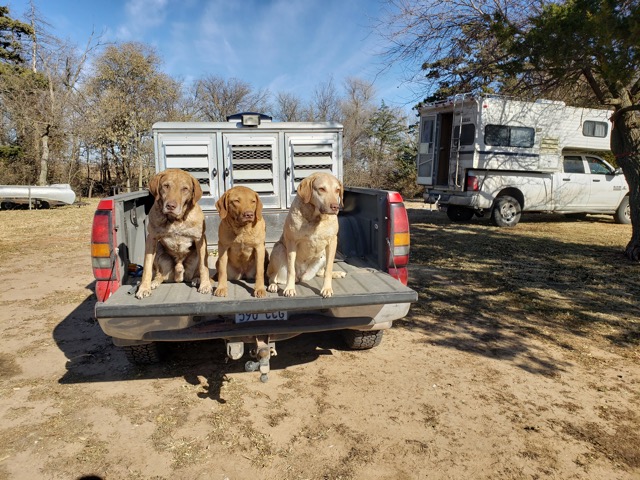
283,45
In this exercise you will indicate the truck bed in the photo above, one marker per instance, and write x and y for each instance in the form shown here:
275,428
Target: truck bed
362,286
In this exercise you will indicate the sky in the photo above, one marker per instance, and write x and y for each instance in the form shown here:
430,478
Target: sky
282,45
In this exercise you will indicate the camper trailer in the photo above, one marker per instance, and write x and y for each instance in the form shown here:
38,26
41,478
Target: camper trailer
502,157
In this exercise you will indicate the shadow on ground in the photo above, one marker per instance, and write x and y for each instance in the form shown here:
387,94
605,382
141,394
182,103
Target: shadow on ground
493,291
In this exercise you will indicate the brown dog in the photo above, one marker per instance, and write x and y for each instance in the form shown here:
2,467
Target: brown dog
241,240
309,240
176,246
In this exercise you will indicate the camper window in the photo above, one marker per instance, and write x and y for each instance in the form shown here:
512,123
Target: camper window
505,136
594,129
467,136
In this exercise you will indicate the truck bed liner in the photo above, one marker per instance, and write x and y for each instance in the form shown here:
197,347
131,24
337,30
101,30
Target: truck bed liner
361,286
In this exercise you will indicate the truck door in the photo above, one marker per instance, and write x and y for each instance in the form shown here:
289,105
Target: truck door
606,186
427,148
572,190
308,153
251,160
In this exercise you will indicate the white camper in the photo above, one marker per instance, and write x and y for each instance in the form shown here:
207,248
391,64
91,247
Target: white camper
501,156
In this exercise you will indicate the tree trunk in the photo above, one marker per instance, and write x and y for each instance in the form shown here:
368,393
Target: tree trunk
44,157
625,144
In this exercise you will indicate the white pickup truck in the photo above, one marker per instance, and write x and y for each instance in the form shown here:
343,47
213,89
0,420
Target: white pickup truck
482,155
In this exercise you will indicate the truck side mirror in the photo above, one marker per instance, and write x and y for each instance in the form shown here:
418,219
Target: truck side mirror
618,171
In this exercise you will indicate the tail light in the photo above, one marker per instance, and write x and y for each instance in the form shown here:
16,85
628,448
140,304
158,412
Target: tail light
398,231
103,254
473,185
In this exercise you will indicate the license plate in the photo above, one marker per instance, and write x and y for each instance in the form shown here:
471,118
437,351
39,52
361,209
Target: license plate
255,317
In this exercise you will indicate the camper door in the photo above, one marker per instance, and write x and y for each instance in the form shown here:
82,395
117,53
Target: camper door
427,149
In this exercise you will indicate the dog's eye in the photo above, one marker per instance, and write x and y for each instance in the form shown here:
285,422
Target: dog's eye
322,189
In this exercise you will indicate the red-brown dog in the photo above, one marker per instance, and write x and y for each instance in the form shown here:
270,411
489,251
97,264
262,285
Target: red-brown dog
241,240
176,246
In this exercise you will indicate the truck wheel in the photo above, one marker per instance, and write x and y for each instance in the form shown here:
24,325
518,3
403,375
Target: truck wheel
623,213
459,214
506,212
362,340
144,354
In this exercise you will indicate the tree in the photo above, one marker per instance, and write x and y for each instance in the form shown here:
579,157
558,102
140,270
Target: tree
127,94
587,51
11,35
324,105
217,98
14,76
288,108
356,109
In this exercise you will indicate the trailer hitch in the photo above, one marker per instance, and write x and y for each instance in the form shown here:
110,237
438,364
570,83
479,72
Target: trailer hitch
263,351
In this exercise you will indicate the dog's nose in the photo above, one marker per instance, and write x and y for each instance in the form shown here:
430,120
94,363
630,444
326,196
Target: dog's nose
171,205
248,215
334,207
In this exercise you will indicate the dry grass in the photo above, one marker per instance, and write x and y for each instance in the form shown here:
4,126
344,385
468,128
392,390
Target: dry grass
555,279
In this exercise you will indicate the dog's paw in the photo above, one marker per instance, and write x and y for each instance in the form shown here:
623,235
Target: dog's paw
143,292
339,274
205,288
326,292
154,285
273,287
260,293
221,292
289,292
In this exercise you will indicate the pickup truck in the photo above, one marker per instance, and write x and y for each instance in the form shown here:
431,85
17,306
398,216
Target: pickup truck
271,158
586,184
501,156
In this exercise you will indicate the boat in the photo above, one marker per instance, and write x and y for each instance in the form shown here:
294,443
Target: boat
12,196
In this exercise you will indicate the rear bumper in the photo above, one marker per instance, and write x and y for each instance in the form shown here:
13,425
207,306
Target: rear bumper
475,200
132,330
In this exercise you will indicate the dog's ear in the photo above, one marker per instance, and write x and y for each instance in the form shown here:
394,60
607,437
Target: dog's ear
197,190
305,189
221,205
258,208
154,184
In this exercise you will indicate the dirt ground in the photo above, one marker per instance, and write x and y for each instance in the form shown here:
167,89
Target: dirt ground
521,360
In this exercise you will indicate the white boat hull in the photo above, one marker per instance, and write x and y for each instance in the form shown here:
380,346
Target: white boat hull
57,194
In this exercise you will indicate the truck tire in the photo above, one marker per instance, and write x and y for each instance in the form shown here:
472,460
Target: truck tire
362,340
459,214
144,354
623,213
506,212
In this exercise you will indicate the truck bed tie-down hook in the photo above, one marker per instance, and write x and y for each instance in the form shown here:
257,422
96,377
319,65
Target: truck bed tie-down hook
263,352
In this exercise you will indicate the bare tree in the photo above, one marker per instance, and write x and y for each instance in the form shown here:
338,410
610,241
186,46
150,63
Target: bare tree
325,103
288,107
216,98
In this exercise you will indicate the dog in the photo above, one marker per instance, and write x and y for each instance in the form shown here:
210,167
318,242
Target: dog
309,239
176,246
241,240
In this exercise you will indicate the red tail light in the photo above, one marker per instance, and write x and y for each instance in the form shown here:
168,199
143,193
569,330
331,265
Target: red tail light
473,185
398,231
103,254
